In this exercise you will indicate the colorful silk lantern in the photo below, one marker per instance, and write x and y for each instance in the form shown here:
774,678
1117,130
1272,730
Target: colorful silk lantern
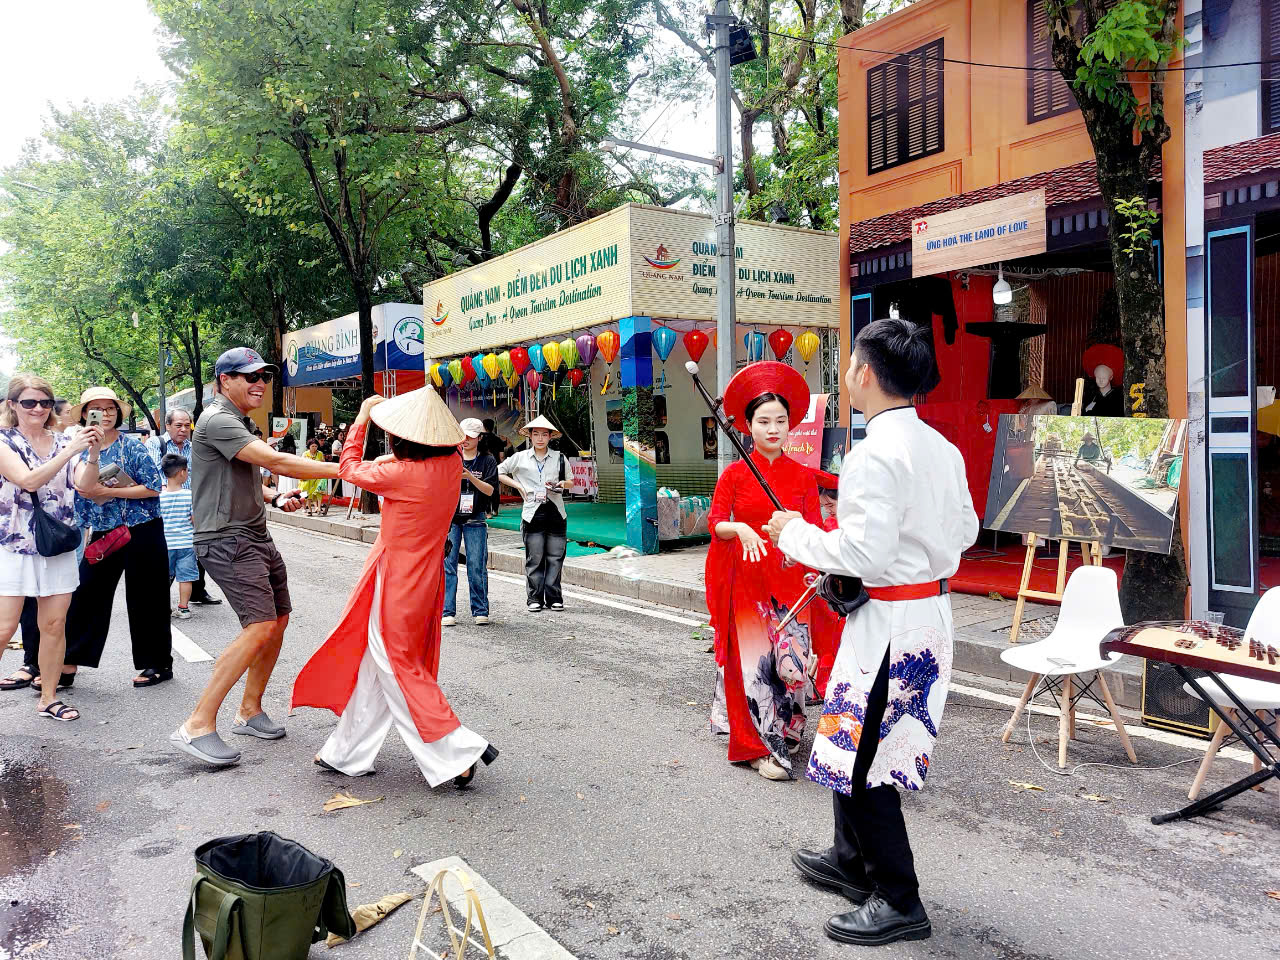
534,379
754,343
468,371
520,360
664,341
695,341
608,343
536,359
569,352
780,342
551,355
477,364
446,377
491,367
505,366
586,349
433,373
576,376
806,345
455,372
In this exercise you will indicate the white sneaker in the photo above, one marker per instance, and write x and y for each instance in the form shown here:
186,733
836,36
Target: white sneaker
449,622
482,621
183,613
770,769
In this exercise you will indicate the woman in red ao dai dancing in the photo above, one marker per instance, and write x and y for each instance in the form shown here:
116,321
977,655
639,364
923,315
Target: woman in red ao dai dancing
751,586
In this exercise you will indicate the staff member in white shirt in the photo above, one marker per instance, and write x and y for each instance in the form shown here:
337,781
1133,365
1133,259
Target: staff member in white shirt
904,517
541,476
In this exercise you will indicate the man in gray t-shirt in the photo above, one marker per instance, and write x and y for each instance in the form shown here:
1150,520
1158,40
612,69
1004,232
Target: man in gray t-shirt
233,544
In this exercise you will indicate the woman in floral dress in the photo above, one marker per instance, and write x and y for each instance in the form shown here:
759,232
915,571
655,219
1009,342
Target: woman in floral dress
750,587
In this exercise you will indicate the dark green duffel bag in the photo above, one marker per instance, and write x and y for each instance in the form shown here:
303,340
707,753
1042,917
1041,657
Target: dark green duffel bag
258,896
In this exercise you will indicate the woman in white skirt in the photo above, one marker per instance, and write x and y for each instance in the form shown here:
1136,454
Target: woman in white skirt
36,462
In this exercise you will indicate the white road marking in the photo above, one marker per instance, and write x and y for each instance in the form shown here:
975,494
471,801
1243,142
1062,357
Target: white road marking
187,648
514,935
1145,733
606,602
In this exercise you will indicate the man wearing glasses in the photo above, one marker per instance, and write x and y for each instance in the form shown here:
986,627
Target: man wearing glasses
232,542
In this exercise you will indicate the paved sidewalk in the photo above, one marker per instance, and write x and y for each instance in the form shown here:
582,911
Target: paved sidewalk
673,578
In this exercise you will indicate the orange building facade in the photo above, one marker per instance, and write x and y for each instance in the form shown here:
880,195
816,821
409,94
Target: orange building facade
926,129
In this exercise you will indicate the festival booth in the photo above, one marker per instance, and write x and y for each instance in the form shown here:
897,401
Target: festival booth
328,354
610,310
1015,281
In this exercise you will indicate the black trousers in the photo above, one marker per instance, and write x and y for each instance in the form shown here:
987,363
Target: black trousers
199,589
31,635
544,548
144,564
871,842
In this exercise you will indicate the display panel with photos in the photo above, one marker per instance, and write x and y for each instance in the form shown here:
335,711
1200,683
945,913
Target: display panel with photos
1112,480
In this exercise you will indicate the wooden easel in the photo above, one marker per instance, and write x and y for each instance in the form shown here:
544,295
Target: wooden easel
1092,555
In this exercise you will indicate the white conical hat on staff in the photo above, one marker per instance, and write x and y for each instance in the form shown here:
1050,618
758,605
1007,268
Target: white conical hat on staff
419,416
541,423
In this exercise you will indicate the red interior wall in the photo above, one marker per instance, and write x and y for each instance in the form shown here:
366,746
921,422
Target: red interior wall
1069,304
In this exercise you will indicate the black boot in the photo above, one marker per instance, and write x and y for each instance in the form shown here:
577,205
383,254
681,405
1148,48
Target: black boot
878,922
820,868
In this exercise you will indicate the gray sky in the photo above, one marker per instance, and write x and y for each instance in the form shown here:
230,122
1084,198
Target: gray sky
68,51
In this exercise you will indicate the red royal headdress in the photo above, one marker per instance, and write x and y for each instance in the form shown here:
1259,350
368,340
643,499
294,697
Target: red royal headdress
1108,354
766,376
826,481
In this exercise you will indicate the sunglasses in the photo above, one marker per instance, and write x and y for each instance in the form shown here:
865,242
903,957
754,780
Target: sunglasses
262,375
32,404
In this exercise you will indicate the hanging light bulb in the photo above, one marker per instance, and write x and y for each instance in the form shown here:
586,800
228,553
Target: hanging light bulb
1002,293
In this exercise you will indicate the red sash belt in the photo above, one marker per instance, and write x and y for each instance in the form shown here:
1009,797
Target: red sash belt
909,591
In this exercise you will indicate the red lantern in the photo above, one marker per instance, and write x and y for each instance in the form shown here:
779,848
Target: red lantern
576,376
533,378
468,371
520,360
780,342
695,341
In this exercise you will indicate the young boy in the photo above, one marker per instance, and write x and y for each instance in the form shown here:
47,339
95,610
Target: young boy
175,510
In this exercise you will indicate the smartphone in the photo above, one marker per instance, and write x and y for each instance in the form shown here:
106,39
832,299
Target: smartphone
93,418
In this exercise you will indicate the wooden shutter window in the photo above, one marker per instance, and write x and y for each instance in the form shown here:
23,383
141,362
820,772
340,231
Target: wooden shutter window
905,108
1048,95
1270,66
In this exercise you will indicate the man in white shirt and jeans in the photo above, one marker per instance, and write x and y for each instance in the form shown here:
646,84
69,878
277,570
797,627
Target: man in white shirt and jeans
541,476
904,517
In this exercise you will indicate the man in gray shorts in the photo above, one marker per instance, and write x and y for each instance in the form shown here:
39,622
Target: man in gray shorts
233,544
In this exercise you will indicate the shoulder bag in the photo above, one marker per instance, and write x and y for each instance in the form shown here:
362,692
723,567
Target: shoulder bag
53,538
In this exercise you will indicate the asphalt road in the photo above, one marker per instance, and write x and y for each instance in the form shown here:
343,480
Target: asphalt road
612,817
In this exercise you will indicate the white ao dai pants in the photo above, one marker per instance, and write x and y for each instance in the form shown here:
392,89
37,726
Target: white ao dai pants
376,704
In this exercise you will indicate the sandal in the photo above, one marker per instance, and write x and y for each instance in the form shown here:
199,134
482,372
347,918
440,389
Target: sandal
65,682
463,780
15,682
58,711
152,676
325,765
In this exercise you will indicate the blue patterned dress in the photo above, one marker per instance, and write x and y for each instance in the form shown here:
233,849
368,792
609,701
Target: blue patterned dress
134,459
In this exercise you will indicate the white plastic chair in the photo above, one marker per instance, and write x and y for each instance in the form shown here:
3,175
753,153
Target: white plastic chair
1090,610
1258,695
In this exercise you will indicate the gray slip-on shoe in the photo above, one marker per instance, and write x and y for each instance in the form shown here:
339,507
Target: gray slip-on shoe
210,747
260,726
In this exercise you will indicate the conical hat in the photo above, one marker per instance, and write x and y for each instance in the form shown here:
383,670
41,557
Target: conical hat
541,423
419,416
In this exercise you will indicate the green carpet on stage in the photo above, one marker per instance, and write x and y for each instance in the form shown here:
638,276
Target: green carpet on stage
601,523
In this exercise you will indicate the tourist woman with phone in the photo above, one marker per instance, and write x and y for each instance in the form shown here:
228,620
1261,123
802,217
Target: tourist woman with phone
118,489
37,536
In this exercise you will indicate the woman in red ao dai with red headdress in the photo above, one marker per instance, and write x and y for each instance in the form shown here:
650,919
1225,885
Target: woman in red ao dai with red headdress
750,585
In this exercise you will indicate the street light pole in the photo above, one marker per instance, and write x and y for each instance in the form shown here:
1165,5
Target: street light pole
726,265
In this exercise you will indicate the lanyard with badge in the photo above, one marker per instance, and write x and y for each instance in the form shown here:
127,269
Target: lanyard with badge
467,500
540,493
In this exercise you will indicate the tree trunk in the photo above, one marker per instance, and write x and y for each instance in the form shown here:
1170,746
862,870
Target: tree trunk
279,327
197,371
373,439
1154,586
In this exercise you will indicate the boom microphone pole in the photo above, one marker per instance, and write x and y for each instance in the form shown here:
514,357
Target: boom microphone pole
726,424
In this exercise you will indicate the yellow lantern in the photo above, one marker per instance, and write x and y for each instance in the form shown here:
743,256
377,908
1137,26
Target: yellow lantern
806,345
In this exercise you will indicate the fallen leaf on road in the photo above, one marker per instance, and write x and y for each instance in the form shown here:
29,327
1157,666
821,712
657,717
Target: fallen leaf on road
691,703
35,947
523,798
341,800
354,883
368,914
1274,894
673,916
992,595
69,826
1096,798
103,805
581,797
1019,785
1055,833
397,854
613,931
590,905
1230,833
